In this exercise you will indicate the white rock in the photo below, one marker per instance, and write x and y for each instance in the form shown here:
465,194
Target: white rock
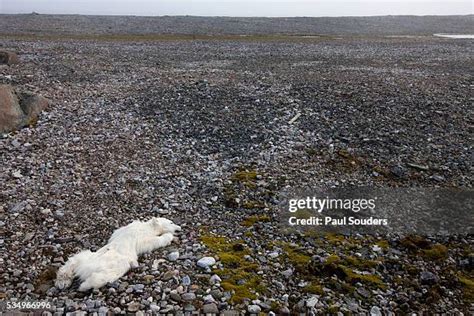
46,211
173,256
254,309
215,279
17,174
375,311
287,273
209,299
206,262
154,308
376,248
273,254
312,301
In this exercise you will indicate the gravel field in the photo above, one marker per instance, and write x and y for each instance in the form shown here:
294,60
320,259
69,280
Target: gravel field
44,24
199,132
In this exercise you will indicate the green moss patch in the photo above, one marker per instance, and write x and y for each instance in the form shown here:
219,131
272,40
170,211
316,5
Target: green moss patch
335,239
246,177
297,257
313,288
238,274
250,221
345,268
383,244
414,243
468,288
436,252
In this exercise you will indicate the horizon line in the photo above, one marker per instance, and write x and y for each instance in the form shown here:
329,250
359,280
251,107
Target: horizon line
242,16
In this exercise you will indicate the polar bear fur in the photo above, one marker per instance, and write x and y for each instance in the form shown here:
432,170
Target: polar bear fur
109,263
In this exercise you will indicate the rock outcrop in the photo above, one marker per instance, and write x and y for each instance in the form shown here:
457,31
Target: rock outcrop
8,58
19,109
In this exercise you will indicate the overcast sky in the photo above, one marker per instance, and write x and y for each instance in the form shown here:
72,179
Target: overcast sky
240,8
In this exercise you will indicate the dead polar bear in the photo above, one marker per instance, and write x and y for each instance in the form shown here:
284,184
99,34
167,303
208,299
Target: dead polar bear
121,253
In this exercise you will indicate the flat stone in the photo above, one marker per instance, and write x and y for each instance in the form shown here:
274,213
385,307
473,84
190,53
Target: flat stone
169,275
133,307
210,309
175,297
188,296
206,262
312,301
254,309
173,256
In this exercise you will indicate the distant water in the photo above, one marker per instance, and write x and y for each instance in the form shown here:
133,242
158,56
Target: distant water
455,35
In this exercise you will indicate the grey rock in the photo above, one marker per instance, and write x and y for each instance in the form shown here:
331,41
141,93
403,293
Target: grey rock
188,296
399,171
363,291
138,288
217,294
254,309
154,308
19,109
8,58
173,256
19,207
287,273
103,310
427,277
375,311
189,308
210,309
214,279
133,307
186,280
175,297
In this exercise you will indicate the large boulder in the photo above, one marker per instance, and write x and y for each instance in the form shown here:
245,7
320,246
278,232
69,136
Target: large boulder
8,58
19,109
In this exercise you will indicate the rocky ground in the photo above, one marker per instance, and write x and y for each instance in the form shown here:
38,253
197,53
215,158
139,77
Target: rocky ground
47,25
200,132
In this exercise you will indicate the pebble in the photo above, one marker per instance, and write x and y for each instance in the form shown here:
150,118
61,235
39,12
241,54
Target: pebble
188,296
312,301
154,308
287,273
138,288
133,307
254,309
214,279
175,297
170,274
427,277
186,280
173,256
210,309
375,311
206,262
